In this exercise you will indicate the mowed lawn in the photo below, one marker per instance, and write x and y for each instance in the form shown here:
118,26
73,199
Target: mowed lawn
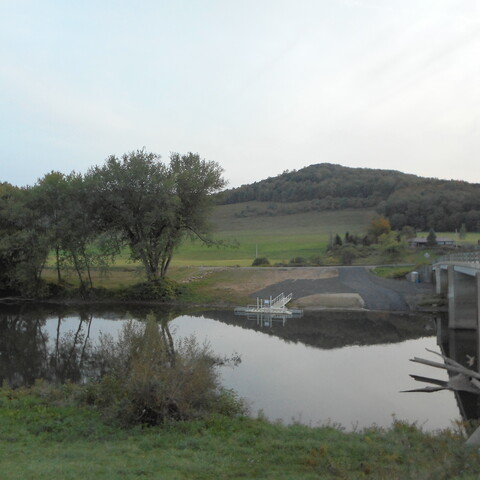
279,238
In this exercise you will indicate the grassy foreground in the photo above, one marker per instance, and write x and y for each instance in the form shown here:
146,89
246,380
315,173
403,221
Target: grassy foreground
44,438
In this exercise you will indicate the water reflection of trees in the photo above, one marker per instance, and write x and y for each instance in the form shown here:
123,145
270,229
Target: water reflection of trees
28,353
70,358
336,329
23,348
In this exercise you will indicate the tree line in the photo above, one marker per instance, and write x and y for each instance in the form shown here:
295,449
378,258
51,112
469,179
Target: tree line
84,221
406,200
367,187
444,206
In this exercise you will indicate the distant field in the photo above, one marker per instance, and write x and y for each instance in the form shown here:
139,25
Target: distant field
279,238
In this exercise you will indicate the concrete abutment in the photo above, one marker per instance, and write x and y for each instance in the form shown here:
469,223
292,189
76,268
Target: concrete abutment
462,287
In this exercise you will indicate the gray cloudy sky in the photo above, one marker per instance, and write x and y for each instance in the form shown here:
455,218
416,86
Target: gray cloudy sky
259,86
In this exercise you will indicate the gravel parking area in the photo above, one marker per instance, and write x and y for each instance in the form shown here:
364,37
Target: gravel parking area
377,293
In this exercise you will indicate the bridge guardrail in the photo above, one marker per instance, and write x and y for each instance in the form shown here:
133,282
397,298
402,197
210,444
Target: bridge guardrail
466,257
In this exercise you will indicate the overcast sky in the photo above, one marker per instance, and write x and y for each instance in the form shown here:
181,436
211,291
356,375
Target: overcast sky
260,86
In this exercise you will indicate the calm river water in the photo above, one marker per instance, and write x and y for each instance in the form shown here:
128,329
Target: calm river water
327,367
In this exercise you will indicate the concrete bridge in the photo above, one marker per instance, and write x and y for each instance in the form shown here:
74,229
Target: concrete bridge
458,276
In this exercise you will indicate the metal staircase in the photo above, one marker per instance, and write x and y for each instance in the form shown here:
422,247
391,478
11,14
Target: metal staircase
280,301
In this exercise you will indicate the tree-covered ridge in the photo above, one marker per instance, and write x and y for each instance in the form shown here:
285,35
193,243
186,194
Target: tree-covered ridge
405,199
322,181
442,205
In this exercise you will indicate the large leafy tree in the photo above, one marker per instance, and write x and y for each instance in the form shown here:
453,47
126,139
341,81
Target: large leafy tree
152,206
50,199
24,242
194,182
82,237
65,205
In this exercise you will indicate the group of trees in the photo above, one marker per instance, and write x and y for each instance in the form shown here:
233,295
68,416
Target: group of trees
444,206
421,203
85,220
380,238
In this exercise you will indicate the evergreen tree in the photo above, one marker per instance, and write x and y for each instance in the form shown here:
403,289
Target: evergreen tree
431,238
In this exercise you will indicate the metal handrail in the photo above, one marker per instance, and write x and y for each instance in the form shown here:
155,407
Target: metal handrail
281,300
466,257
277,298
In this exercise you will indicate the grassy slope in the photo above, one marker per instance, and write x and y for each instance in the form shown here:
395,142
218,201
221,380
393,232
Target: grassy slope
278,238
282,237
44,440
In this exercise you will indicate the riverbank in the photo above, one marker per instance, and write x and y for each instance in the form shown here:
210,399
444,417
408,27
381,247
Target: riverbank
313,288
47,437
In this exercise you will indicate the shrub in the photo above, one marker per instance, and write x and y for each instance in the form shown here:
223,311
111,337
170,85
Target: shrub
348,254
391,246
316,260
299,261
260,261
148,378
165,289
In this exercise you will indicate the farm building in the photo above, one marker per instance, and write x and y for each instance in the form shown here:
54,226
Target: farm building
422,241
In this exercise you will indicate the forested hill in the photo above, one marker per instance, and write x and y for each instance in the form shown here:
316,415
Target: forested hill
405,199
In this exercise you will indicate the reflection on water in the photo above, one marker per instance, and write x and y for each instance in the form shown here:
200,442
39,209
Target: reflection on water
55,344
328,330
463,347
343,366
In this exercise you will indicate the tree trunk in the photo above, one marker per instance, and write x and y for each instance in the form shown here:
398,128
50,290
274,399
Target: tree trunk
57,256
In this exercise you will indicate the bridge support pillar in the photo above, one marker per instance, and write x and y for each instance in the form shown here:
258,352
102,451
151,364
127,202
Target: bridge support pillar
463,306
441,281
477,278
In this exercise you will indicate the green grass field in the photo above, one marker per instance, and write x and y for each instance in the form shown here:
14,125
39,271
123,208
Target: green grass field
53,438
279,238
283,237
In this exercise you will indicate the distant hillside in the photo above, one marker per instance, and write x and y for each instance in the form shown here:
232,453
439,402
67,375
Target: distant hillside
423,203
